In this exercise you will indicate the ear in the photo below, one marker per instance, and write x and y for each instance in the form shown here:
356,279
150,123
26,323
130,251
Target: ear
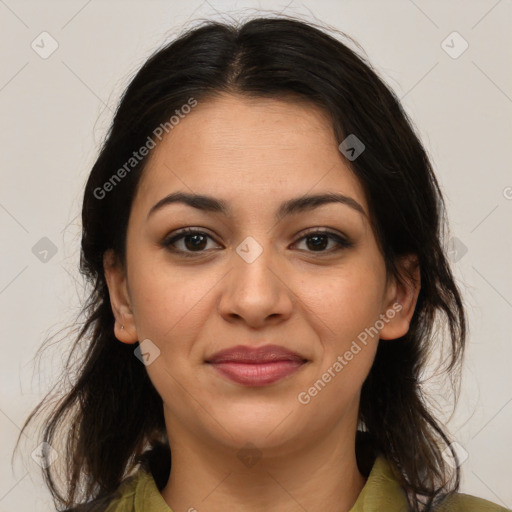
124,327
401,298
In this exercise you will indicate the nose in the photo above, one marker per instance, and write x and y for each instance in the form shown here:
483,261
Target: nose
256,291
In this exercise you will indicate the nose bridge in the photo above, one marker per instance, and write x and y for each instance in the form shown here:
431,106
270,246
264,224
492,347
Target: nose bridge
252,264
255,290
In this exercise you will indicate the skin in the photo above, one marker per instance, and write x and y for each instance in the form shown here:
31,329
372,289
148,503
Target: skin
254,154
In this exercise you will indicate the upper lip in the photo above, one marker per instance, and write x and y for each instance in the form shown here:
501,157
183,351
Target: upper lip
264,354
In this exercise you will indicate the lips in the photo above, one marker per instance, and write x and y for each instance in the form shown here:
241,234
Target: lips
252,355
256,366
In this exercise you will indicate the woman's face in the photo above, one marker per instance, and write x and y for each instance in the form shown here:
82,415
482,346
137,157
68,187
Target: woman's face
256,274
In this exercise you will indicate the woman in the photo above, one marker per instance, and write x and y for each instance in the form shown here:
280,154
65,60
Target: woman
262,230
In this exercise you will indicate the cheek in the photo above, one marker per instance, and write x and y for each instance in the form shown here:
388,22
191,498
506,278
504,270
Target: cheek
344,313
164,299
171,306
348,303
343,316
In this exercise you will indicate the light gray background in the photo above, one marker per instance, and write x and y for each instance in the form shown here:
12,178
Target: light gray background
55,111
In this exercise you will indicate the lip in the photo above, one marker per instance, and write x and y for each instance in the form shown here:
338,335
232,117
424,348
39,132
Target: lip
256,366
255,355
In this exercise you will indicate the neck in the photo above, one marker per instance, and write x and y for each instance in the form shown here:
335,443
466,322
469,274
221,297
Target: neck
320,476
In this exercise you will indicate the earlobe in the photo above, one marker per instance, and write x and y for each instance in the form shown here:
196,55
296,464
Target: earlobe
403,297
124,326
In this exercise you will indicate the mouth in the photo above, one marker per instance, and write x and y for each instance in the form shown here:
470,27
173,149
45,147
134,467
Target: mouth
256,366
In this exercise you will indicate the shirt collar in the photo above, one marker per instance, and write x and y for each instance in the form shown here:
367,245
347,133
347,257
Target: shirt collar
381,492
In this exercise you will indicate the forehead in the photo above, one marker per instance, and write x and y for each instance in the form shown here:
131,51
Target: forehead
244,149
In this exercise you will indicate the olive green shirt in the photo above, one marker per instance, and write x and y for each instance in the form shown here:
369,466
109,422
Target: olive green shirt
381,493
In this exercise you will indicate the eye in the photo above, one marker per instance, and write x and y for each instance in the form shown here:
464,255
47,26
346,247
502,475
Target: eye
194,241
318,240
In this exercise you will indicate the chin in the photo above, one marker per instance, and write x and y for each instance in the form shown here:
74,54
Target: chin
265,427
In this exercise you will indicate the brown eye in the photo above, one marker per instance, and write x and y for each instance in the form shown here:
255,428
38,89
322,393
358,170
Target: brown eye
317,241
193,241
196,241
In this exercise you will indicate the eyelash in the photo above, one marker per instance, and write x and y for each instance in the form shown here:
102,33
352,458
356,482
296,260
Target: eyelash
342,242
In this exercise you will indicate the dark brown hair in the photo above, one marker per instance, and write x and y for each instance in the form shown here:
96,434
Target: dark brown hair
110,414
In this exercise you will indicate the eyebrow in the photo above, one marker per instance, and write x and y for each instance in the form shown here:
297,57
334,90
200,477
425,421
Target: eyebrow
289,207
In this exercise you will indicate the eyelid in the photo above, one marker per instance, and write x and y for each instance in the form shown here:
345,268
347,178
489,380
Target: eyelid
182,233
342,241
322,230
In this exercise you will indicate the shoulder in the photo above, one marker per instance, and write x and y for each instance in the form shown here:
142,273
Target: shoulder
124,499
459,502
138,493
383,489
121,500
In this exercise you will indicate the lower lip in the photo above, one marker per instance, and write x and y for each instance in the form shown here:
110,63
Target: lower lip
257,374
